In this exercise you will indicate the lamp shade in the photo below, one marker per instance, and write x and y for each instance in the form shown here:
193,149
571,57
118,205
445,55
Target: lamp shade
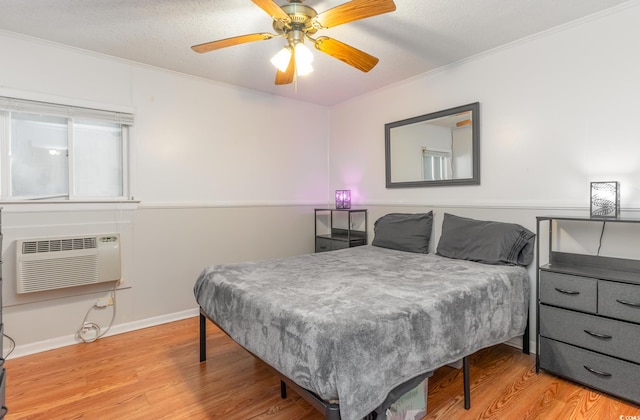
304,58
343,199
605,199
281,59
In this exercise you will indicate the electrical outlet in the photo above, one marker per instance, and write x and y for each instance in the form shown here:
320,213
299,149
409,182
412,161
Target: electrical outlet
104,302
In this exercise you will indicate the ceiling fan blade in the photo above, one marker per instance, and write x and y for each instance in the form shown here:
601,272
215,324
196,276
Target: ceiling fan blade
229,42
272,8
354,10
286,77
346,53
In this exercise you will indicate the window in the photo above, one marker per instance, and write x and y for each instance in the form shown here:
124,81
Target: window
436,165
58,152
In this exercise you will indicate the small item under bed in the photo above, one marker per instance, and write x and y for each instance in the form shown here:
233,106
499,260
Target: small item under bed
351,325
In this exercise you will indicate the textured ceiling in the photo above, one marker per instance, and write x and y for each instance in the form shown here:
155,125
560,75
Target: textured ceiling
419,36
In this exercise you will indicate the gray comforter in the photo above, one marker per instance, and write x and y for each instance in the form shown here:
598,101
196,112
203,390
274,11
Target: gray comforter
351,325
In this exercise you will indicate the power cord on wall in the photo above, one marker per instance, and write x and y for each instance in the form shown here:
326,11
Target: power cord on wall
601,234
90,331
13,347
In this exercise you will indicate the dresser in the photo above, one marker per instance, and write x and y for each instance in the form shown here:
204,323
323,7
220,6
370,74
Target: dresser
340,228
588,311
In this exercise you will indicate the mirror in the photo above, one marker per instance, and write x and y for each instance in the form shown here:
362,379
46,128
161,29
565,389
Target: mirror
437,149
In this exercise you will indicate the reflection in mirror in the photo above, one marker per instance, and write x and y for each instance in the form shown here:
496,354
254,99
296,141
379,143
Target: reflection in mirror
441,148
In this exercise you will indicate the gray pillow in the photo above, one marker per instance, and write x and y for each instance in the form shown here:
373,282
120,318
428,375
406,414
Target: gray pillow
404,231
485,241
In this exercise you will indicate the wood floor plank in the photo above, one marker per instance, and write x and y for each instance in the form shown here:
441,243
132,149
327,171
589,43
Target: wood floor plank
155,373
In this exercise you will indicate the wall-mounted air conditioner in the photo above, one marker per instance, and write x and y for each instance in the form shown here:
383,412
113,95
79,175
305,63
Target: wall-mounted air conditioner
54,263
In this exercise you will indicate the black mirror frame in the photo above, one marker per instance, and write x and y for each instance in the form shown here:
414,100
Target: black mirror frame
475,141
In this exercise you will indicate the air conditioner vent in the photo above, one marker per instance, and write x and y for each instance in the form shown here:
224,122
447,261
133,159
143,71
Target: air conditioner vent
53,263
62,244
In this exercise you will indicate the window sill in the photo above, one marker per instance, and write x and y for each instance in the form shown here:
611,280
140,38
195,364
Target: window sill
22,206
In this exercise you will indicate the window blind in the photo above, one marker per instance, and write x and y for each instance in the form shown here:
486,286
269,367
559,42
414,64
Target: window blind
46,108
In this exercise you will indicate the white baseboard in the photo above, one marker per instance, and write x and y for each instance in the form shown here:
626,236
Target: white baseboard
55,343
69,340
517,343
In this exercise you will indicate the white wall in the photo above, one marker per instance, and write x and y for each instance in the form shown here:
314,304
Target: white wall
407,149
197,141
222,174
557,111
462,145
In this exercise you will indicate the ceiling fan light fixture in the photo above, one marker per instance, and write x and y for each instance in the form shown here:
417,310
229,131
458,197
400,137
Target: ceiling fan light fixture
281,59
304,58
296,23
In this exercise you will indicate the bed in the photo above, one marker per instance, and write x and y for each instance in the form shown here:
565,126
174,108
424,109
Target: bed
350,326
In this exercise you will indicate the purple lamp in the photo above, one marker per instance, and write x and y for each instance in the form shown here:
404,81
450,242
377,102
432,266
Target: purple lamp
343,199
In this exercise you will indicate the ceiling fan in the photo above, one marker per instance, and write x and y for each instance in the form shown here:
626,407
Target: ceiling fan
297,22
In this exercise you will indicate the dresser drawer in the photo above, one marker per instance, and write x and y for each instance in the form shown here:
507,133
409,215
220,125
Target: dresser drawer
325,244
568,291
619,300
601,372
615,338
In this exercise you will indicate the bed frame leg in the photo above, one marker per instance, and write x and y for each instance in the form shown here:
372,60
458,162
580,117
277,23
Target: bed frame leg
525,339
283,390
203,338
467,388
332,412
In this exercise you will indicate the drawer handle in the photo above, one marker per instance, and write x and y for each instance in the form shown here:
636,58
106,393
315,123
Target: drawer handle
624,302
567,292
598,335
597,372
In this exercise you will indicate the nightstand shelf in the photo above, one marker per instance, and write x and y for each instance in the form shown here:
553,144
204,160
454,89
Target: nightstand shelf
588,310
340,228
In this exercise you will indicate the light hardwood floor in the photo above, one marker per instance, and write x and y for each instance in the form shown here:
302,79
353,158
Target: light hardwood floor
155,374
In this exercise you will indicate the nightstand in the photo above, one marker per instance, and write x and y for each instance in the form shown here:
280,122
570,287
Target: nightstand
340,228
588,313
